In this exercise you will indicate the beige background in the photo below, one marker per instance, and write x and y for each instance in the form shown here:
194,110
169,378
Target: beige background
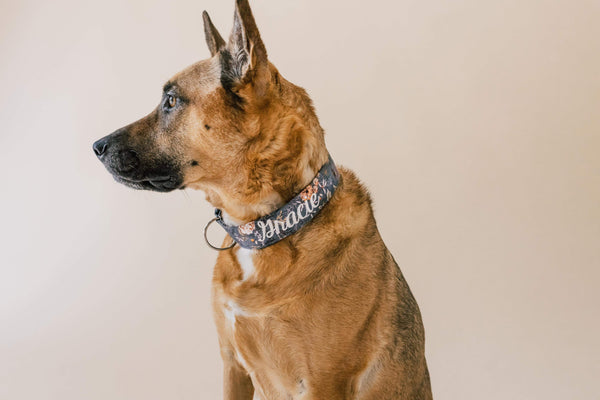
475,124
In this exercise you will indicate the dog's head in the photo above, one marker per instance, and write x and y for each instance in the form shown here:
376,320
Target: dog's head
229,125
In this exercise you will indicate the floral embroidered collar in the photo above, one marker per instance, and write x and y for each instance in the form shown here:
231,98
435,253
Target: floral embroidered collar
287,220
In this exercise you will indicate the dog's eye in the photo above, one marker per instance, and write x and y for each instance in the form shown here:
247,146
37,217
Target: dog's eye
171,101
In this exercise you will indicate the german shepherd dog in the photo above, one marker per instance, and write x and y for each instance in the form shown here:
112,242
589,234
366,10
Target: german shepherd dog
323,313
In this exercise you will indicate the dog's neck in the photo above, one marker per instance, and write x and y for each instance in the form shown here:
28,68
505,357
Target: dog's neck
292,168
236,212
290,218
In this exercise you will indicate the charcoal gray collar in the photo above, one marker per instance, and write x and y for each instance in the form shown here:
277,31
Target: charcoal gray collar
288,219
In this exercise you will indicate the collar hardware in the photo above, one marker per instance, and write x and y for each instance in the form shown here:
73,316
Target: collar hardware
208,241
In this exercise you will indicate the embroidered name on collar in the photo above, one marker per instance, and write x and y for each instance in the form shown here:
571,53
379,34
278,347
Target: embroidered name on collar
287,220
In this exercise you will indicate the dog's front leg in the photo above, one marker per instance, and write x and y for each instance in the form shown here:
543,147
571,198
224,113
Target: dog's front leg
237,382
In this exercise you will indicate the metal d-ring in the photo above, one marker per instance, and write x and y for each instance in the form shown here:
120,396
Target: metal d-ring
208,243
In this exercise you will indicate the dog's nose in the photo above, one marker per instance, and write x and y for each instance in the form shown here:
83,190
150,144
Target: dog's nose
100,146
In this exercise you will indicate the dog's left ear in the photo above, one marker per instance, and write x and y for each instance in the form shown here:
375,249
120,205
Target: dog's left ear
249,62
213,38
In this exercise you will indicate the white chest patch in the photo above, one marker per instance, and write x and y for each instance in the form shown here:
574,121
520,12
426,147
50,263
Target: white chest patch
231,311
230,315
244,257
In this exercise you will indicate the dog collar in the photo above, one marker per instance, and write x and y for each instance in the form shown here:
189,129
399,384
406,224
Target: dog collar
287,220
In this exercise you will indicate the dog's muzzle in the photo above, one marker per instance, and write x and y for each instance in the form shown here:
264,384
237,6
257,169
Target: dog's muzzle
127,167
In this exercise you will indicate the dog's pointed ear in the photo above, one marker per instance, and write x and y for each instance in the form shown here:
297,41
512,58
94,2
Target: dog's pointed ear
213,38
248,52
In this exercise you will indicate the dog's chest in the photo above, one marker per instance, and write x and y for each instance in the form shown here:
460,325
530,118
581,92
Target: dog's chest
236,302
230,306
251,329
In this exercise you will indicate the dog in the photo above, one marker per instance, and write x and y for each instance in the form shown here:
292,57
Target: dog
308,301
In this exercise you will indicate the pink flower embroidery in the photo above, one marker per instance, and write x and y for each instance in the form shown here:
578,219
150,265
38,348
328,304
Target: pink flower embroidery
306,193
246,229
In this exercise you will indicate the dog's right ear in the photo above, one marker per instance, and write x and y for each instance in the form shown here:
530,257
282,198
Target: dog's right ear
213,38
247,59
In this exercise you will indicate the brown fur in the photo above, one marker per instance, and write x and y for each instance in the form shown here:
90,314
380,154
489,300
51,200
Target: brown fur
326,312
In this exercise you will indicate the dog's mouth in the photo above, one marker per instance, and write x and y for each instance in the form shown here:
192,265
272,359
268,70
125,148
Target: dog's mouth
165,183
